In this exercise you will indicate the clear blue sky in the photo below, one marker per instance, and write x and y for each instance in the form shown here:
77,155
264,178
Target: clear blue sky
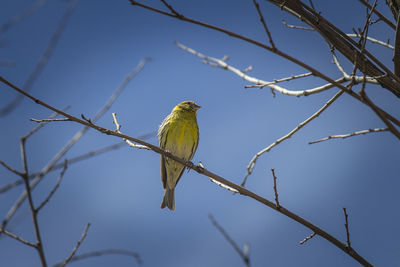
120,192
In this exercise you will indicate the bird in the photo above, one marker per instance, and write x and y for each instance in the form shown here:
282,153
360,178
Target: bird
179,135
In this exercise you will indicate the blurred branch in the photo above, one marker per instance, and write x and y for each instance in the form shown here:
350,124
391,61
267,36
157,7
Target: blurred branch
68,259
76,159
17,238
343,136
43,60
74,139
190,165
98,253
252,162
245,257
17,18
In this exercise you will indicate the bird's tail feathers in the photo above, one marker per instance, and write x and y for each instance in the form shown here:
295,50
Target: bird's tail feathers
169,199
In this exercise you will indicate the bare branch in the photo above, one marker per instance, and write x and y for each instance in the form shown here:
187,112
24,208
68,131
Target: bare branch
118,130
11,169
252,163
343,136
68,259
55,187
39,244
378,112
103,252
372,40
73,140
275,189
43,60
18,238
222,64
296,27
396,56
264,24
307,238
382,17
235,246
286,79
346,225
49,120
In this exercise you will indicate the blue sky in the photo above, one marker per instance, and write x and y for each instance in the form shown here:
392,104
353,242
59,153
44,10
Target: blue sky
120,192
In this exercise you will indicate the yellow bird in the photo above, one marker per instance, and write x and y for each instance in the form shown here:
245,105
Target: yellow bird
178,134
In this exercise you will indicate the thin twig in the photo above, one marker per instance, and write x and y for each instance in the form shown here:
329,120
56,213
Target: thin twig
286,79
205,172
43,60
372,40
343,136
18,238
118,130
10,168
73,140
103,252
296,27
252,162
264,24
235,246
55,187
49,120
346,226
382,17
68,259
307,238
275,189
378,112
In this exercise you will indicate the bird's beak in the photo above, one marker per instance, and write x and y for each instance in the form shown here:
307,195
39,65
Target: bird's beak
196,107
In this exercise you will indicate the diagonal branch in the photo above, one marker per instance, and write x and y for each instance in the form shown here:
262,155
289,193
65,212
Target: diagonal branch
250,166
78,244
43,60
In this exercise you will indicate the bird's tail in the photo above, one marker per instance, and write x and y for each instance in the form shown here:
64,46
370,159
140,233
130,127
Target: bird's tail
169,199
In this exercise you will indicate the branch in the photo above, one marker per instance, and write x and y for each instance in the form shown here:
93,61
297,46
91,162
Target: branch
18,238
344,136
10,168
54,188
346,226
118,130
382,17
43,60
68,259
25,175
17,18
275,189
252,162
203,171
48,120
396,56
264,24
261,83
98,253
73,140
307,238
243,255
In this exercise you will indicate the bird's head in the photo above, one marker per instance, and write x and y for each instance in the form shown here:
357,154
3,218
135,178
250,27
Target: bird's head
187,106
